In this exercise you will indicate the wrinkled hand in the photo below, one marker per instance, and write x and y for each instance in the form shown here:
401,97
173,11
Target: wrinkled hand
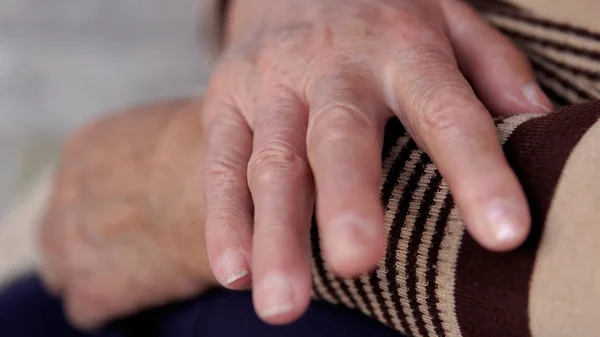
124,230
296,109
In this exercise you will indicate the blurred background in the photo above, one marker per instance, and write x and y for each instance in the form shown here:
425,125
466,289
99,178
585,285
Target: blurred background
64,62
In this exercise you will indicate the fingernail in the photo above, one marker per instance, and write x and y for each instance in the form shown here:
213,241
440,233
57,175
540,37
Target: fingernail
278,296
505,223
536,97
233,266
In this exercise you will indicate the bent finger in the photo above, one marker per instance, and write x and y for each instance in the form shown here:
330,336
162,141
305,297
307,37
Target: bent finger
227,198
499,71
344,147
453,127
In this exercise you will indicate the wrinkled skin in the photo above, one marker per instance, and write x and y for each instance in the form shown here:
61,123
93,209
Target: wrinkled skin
124,230
294,118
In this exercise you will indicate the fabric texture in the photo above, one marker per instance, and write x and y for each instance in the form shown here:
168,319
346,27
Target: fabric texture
435,279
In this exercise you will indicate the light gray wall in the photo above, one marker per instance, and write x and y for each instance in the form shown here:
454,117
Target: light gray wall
63,62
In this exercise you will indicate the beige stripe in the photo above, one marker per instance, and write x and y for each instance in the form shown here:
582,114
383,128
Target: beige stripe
402,251
377,310
389,219
573,80
571,59
582,13
318,282
387,166
354,293
565,287
448,254
446,272
540,32
567,93
578,81
337,289
508,126
425,247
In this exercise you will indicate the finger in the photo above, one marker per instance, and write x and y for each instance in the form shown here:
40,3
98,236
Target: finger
228,203
344,147
455,129
281,184
499,71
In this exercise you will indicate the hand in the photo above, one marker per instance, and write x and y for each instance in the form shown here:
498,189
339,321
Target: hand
296,109
125,227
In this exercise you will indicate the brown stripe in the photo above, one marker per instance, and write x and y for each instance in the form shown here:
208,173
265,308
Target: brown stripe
491,288
549,73
577,83
315,294
552,86
580,84
346,292
319,264
386,192
494,6
432,262
582,52
413,247
393,130
544,23
395,236
579,71
555,97
538,32
585,64
363,295
366,280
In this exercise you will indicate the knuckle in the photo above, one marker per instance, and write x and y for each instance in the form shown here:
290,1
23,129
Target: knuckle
337,123
224,166
443,109
273,163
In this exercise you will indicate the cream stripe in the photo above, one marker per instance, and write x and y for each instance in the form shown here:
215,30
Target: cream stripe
318,282
446,272
337,289
582,13
576,82
448,255
564,298
389,219
564,57
537,31
387,165
567,93
424,250
354,293
402,251
508,126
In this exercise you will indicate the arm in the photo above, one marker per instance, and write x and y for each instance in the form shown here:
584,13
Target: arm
434,279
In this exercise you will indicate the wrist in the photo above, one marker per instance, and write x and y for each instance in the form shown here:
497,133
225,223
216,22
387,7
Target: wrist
240,17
